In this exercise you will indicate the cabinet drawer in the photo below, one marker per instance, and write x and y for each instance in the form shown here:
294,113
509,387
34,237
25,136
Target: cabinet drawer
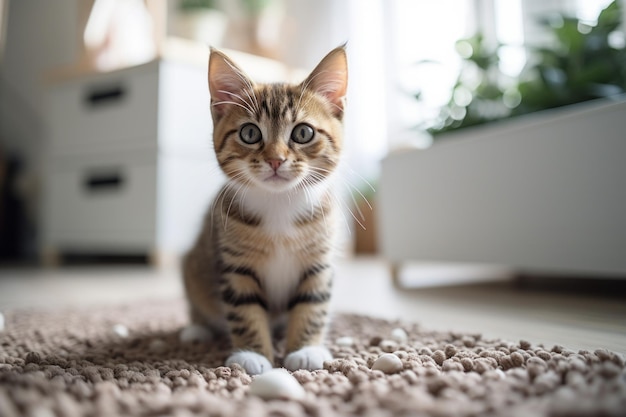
105,201
104,109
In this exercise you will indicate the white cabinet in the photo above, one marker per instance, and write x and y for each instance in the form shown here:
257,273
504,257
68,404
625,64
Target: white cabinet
129,165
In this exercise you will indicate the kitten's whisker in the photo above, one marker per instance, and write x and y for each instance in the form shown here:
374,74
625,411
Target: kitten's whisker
309,197
358,209
336,106
241,185
217,103
352,171
302,91
321,207
305,87
248,84
329,86
346,206
246,105
236,174
240,74
341,204
243,197
308,100
360,193
219,198
301,187
253,100
348,183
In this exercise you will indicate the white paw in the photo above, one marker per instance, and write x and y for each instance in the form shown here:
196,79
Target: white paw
309,357
195,333
254,363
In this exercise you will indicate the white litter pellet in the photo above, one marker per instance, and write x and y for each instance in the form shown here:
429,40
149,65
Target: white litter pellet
276,384
1,322
388,345
399,335
120,330
388,363
344,341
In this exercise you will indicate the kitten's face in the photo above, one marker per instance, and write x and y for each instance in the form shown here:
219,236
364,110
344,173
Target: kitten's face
278,136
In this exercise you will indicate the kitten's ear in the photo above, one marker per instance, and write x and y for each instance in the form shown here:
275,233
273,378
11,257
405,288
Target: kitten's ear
330,78
226,81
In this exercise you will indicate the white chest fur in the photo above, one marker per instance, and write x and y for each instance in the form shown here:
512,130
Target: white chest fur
283,267
280,276
280,211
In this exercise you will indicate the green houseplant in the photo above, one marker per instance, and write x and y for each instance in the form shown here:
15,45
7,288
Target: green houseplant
583,63
193,5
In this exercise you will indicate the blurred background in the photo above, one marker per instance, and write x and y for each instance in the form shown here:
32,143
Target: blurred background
105,127
484,141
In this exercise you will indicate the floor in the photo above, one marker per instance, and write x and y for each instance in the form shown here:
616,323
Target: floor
574,313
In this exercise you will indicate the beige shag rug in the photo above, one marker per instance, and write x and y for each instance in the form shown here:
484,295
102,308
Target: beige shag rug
128,361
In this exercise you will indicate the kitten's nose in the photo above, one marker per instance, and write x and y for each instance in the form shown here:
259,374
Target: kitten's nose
275,163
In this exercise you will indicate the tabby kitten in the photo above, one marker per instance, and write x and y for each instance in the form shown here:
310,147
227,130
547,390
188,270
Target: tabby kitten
263,257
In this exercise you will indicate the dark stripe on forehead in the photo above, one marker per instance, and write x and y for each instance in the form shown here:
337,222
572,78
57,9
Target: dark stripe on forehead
276,101
275,104
288,105
264,107
264,99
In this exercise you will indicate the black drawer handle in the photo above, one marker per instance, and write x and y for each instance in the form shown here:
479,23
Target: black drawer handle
105,95
97,182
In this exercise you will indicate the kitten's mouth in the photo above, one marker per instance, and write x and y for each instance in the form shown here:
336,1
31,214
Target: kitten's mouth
277,183
275,178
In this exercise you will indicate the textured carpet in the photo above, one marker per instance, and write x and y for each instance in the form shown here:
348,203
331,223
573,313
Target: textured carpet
128,361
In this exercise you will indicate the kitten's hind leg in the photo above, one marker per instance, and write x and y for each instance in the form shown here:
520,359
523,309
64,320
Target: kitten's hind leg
202,328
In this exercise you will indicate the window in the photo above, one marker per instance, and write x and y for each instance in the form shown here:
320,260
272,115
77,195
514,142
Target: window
421,53
422,57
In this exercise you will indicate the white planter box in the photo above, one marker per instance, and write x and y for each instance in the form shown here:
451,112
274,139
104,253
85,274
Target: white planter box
544,192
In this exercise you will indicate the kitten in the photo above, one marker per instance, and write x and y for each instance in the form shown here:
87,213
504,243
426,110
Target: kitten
263,256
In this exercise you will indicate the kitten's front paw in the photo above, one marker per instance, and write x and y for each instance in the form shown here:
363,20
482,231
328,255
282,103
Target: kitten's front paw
254,363
309,357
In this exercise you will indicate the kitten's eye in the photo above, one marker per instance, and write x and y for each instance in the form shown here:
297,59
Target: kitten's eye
250,134
302,133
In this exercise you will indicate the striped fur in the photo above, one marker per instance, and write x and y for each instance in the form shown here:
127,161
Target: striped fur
265,249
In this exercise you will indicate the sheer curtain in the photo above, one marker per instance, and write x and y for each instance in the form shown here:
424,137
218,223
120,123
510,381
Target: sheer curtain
419,31
317,27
